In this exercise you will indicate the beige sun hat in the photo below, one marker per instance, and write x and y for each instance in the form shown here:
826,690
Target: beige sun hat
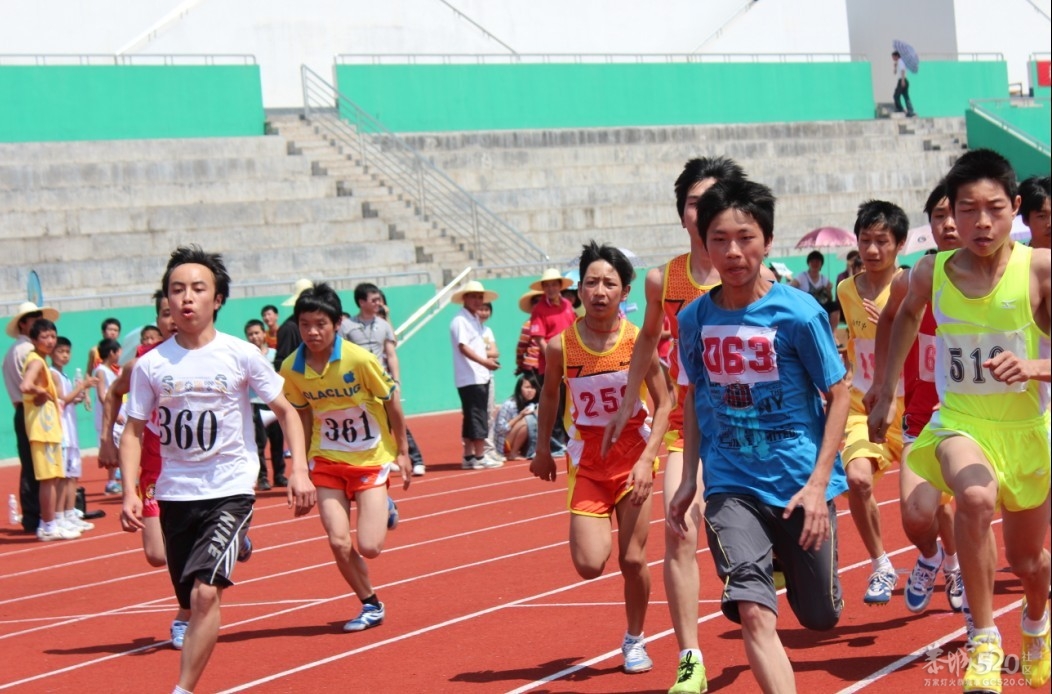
552,274
302,285
526,300
473,287
25,308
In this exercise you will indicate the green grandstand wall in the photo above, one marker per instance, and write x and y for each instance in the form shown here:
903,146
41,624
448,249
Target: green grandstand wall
428,98
114,102
1027,159
944,88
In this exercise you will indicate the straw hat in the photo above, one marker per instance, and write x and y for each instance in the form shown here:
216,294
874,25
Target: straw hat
552,274
526,300
302,285
473,287
25,308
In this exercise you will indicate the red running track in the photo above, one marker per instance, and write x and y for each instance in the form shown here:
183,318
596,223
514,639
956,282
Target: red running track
481,597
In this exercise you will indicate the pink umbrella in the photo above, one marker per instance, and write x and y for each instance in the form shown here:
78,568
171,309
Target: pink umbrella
827,237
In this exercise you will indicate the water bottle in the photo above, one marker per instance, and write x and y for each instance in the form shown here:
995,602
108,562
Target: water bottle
78,376
13,516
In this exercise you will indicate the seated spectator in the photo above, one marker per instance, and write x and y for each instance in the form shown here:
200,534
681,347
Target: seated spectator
515,431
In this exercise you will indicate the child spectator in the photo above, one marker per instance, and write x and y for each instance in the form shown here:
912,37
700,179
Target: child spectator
105,373
150,335
70,394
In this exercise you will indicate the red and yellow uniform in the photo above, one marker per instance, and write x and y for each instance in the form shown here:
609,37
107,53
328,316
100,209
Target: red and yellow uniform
44,428
678,289
595,387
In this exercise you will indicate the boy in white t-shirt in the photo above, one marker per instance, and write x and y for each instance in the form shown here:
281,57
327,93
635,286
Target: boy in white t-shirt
198,382
70,394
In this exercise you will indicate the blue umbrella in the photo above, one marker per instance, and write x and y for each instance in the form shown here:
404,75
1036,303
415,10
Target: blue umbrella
907,54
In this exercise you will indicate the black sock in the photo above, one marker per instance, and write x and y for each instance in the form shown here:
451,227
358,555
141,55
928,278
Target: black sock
371,600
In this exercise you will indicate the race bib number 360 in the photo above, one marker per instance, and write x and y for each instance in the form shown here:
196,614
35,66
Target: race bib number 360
187,434
351,430
739,353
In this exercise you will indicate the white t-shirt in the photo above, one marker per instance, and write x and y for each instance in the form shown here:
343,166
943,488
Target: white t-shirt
204,415
465,329
64,386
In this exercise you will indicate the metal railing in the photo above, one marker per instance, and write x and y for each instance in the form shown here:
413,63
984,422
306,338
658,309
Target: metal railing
504,58
434,194
431,308
114,59
991,115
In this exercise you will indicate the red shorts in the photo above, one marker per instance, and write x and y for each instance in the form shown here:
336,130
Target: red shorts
595,486
349,478
149,471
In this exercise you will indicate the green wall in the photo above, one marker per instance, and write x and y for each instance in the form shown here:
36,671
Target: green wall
418,98
943,88
113,102
1026,159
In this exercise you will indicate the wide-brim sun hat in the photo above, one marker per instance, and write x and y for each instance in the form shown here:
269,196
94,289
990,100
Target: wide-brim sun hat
301,286
25,308
552,274
473,287
526,300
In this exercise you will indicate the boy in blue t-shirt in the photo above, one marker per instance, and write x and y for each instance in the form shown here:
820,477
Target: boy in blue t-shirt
757,354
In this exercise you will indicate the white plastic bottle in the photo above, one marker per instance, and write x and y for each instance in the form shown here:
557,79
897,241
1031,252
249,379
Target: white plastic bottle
13,516
78,376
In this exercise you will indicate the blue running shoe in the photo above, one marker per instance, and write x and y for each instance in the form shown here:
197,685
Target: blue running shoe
920,585
179,634
636,658
881,584
954,589
369,617
392,514
245,551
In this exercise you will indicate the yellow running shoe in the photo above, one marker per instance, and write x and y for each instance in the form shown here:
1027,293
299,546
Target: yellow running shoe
1037,657
690,677
984,665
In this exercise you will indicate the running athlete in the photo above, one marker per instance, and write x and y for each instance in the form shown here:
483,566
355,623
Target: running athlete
927,514
669,289
756,355
348,402
881,229
988,443
591,357
198,383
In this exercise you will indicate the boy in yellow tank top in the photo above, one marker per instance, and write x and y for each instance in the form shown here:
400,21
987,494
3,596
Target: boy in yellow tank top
881,229
988,443
592,358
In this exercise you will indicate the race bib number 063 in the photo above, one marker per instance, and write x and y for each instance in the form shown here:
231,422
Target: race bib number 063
739,353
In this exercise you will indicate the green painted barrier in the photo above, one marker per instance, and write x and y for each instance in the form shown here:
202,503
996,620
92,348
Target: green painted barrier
531,96
1026,159
944,88
1035,84
115,102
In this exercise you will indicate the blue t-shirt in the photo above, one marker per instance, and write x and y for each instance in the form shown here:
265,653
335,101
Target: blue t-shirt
757,372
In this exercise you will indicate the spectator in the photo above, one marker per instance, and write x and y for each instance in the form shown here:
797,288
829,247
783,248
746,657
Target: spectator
269,314
515,429
527,353
269,430
111,329
288,338
69,394
854,266
817,285
105,374
1034,208
473,373
552,314
150,335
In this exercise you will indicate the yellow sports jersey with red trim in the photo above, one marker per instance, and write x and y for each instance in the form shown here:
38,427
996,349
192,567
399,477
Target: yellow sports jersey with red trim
861,337
678,289
595,386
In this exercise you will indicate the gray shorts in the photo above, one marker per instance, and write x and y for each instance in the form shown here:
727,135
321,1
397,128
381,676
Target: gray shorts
745,535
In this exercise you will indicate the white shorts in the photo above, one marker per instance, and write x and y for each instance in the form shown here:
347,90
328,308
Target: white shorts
71,461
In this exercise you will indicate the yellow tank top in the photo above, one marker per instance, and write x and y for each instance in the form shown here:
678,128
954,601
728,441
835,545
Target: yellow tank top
596,381
42,421
678,290
970,331
862,333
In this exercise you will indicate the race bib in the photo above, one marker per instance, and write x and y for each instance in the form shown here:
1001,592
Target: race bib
597,398
351,430
186,434
866,365
926,357
959,362
739,354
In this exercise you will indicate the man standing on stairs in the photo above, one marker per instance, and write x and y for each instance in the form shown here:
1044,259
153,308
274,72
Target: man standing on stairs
902,86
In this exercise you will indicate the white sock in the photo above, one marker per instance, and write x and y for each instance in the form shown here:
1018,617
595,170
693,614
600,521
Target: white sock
695,651
987,631
71,515
949,562
49,526
882,563
935,559
629,638
180,690
1035,628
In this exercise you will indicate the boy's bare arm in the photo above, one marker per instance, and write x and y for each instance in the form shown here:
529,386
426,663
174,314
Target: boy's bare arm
130,452
680,504
301,493
111,405
393,407
899,288
543,465
642,476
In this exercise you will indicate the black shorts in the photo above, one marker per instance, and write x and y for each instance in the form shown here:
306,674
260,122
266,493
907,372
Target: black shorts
474,403
202,539
746,534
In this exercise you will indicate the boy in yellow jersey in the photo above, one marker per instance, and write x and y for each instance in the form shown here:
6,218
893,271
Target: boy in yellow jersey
668,289
591,357
348,402
881,229
988,443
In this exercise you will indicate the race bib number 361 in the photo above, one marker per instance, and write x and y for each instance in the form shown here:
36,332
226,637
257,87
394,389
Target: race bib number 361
350,430
739,353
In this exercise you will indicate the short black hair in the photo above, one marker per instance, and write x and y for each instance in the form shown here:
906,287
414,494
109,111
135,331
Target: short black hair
256,322
749,197
158,297
592,252
63,342
816,255
977,165
110,321
268,307
149,329
934,198
1034,191
881,213
107,346
320,297
363,290
698,169
41,325
194,254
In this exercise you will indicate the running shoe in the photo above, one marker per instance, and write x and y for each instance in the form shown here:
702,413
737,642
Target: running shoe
954,589
61,532
881,584
392,514
984,665
179,634
487,463
690,677
245,551
636,658
1037,656
919,586
79,524
370,616
113,487
419,470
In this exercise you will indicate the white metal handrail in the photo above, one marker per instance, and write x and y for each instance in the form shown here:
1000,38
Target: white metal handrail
504,58
423,315
994,118
41,59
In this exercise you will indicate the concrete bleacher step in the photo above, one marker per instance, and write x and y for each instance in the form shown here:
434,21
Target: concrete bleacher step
103,151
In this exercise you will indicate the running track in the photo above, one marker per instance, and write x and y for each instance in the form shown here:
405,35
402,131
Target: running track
480,595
